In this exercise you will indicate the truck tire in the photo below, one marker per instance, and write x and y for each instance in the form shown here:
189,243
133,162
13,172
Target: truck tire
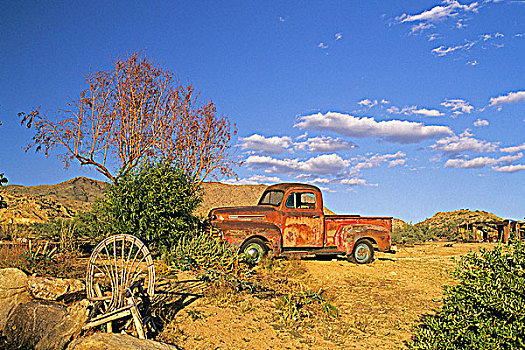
363,252
253,250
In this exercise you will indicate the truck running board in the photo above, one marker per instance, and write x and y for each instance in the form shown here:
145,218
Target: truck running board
311,250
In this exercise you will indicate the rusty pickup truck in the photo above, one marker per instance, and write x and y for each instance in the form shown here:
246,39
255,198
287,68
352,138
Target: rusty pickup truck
289,220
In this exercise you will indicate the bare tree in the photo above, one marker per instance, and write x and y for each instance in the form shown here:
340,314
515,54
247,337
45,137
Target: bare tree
137,110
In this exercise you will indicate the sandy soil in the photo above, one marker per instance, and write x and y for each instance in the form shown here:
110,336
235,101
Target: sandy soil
378,305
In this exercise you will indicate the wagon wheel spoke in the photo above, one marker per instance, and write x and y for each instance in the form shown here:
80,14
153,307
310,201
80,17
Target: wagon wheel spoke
116,264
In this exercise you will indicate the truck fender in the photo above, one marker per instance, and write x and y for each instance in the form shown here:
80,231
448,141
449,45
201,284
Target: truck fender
236,233
348,235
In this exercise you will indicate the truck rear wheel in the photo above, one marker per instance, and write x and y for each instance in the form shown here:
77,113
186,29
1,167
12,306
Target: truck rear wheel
363,252
253,250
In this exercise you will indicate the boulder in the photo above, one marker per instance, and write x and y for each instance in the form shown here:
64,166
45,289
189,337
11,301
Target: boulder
44,325
55,289
13,283
114,341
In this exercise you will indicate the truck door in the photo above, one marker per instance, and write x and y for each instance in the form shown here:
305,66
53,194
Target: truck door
303,221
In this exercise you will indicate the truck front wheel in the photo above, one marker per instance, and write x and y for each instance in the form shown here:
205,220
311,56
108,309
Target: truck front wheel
253,250
363,252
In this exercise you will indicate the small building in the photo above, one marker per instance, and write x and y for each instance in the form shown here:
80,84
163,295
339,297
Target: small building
491,230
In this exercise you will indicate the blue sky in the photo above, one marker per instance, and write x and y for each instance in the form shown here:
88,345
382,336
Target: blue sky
398,108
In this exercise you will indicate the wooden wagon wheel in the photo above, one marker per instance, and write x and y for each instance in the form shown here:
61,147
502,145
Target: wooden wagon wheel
118,263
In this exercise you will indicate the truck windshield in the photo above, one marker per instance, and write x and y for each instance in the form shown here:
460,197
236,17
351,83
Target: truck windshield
271,198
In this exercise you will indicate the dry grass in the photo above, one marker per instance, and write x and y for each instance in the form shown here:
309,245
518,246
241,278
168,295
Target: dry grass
378,304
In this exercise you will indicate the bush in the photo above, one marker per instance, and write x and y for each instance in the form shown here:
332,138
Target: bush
3,180
63,231
410,234
486,309
155,202
201,252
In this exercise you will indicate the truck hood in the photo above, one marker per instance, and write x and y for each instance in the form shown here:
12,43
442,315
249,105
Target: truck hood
252,213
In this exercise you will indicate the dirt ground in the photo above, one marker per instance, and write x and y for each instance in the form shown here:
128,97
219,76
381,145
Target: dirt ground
378,305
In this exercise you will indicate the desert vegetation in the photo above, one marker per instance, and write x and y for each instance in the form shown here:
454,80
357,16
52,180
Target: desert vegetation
484,310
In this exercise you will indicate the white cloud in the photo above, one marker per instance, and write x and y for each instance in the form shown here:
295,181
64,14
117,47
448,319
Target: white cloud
367,103
322,45
410,110
509,159
513,149
349,182
434,36
450,8
400,131
325,164
396,162
407,110
464,143
457,105
486,40
428,112
510,168
475,163
321,181
303,136
485,37
511,97
376,160
268,145
420,27
481,122
473,63
481,162
325,144
384,102
254,180
443,50
338,36
355,182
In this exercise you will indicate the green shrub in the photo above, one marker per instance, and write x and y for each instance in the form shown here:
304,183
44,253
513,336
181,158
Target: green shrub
410,234
64,231
295,308
201,251
155,202
3,180
486,309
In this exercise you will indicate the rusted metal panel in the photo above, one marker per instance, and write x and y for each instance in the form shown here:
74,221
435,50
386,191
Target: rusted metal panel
237,232
348,235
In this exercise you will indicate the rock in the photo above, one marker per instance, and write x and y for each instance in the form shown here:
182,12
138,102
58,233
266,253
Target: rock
44,325
55,289
13,291
114,341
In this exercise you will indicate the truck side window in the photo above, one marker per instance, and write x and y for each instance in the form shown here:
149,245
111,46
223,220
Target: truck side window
300,200
271,198
290,202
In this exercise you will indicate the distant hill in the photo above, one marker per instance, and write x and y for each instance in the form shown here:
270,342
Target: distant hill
442,220
27,204
44,202
64,200
217,194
